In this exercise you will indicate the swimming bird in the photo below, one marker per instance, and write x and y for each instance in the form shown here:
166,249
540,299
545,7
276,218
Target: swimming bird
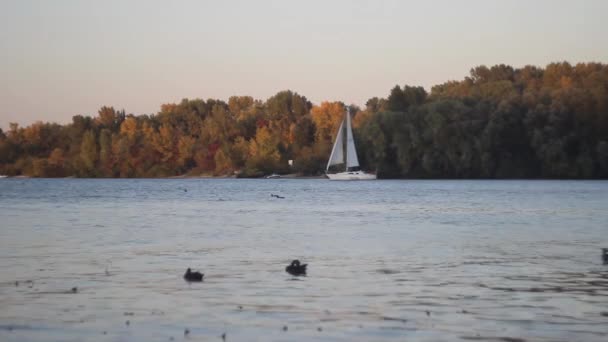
605,255
193,276
277,196
296,269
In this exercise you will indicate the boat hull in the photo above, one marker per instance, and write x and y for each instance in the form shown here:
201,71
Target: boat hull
351,175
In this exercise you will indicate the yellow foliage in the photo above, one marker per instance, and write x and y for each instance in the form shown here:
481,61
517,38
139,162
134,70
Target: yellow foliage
361,118
327,118
185,147
239,152
263,143
566,82
107,116
129,128
56,158
33,133
163,142
223,164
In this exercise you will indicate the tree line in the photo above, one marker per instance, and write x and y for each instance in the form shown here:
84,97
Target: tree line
498,122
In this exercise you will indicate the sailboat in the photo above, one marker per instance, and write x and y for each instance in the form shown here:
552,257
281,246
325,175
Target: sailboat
344,152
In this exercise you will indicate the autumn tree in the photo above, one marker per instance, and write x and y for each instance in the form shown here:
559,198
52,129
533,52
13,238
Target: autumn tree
497,122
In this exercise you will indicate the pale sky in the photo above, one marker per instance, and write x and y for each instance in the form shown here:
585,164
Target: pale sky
62,58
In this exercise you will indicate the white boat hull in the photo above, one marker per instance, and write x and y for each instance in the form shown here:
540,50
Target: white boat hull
351,175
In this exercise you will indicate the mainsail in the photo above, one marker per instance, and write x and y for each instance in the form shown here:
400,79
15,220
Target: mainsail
337,152
351,153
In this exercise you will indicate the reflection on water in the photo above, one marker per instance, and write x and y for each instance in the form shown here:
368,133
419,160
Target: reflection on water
388,260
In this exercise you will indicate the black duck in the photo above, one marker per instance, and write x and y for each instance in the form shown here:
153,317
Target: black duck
193,276
296,269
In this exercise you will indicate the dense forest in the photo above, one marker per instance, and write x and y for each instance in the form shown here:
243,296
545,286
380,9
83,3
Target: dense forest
499,122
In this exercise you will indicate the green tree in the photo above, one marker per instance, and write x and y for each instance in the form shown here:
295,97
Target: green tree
88,153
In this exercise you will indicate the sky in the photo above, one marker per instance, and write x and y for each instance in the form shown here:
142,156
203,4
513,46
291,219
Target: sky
63,58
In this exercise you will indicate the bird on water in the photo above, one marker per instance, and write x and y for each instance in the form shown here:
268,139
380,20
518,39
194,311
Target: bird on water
296,269
193,276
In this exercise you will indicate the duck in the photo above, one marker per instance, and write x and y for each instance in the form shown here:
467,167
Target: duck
296,269
605,255
193,276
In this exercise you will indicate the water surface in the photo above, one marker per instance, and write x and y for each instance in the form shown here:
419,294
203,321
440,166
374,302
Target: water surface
388,260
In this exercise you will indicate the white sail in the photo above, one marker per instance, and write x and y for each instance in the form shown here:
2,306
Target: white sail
351,153
351,161
337,152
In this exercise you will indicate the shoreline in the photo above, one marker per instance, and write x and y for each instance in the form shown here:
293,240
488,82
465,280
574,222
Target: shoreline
295,176
288,176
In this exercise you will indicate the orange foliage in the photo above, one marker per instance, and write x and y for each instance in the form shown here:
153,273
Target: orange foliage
327,118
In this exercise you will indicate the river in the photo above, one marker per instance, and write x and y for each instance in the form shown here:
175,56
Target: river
388,260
